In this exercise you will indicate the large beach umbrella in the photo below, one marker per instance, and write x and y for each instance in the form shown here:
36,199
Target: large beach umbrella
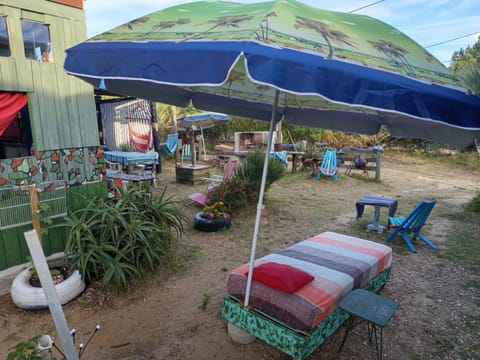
200,121
271,59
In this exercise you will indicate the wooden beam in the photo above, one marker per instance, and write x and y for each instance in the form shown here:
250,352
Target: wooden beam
40,263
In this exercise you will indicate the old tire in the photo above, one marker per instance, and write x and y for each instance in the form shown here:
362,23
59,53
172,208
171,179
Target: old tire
28,297
211,225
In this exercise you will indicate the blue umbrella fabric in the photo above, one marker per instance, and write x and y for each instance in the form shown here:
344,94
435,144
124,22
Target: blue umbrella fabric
333,70
275,59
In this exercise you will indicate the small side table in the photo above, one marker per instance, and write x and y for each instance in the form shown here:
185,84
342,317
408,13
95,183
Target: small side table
375,309
377,201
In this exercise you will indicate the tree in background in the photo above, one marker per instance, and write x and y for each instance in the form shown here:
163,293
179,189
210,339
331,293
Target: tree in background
466,65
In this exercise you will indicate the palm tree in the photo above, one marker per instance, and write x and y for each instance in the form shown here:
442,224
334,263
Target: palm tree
224,22
394,52
264,26
234,76
134,23
169,24
324,30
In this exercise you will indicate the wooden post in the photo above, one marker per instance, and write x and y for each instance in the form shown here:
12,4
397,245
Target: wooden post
40,263
34,208
378,155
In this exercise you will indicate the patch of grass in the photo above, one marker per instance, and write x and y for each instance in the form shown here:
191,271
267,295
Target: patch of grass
463,247
475,284
474,205
205,301
462,242
473,323
188,254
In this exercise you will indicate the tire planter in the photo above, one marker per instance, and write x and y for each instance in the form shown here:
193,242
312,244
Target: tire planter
29,297
211,225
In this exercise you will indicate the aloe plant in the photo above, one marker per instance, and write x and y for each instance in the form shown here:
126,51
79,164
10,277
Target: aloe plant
118,240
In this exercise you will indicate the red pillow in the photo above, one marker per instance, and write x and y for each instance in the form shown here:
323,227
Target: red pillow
282,277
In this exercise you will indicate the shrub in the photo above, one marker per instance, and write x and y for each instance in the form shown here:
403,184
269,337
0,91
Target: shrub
244,187
474,204
26,350
117,240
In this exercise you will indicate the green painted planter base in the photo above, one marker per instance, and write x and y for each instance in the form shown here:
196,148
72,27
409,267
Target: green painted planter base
283,337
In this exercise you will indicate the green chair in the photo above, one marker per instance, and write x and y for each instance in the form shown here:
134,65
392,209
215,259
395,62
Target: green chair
186,152
412,223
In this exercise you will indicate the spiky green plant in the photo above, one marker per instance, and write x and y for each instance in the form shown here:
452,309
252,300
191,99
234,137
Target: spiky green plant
118,240
470,76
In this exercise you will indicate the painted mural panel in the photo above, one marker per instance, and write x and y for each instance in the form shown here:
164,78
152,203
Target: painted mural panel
74,166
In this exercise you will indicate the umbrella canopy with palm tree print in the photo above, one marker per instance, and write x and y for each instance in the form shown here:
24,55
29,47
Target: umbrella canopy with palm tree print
334,70
271,59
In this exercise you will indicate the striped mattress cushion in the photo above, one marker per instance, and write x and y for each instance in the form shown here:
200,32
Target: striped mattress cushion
338,263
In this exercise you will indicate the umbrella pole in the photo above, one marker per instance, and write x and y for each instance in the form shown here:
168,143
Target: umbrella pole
260,199
203,143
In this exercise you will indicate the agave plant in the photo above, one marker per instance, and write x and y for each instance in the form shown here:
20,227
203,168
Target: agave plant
118,240
470,76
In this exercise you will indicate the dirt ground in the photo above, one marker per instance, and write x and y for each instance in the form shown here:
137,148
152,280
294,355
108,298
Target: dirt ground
178,316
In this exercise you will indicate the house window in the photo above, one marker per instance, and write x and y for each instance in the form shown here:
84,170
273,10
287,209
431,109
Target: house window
36,41
15,130
4,43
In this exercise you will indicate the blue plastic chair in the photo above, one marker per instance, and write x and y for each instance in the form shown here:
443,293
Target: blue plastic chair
412,223
328,166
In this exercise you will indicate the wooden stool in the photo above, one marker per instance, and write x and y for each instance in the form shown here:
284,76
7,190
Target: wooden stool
375,309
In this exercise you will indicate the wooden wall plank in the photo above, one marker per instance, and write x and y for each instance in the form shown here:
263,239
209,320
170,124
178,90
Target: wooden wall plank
62,107
8,75
16,251
3,257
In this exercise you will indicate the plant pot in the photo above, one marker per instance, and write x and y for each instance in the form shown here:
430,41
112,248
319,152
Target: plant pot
211,225
29,297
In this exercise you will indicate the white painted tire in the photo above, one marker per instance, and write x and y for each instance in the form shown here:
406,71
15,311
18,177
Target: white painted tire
28,297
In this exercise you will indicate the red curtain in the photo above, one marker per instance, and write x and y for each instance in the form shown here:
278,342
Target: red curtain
10,104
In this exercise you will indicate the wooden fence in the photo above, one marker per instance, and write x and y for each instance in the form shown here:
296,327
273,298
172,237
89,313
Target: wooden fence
354,159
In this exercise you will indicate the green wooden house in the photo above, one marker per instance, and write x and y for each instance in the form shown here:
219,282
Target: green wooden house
48,121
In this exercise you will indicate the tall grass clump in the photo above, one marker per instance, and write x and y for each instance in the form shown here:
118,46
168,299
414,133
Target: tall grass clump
116,240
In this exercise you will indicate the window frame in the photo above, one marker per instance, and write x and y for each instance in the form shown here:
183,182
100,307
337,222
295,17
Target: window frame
8,50
42,53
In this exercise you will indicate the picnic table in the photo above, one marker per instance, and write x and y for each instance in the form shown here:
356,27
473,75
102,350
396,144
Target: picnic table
127,158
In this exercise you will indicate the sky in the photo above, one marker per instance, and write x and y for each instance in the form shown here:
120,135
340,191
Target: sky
431,23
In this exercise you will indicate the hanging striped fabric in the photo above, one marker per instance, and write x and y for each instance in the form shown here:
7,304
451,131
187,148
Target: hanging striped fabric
127,124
